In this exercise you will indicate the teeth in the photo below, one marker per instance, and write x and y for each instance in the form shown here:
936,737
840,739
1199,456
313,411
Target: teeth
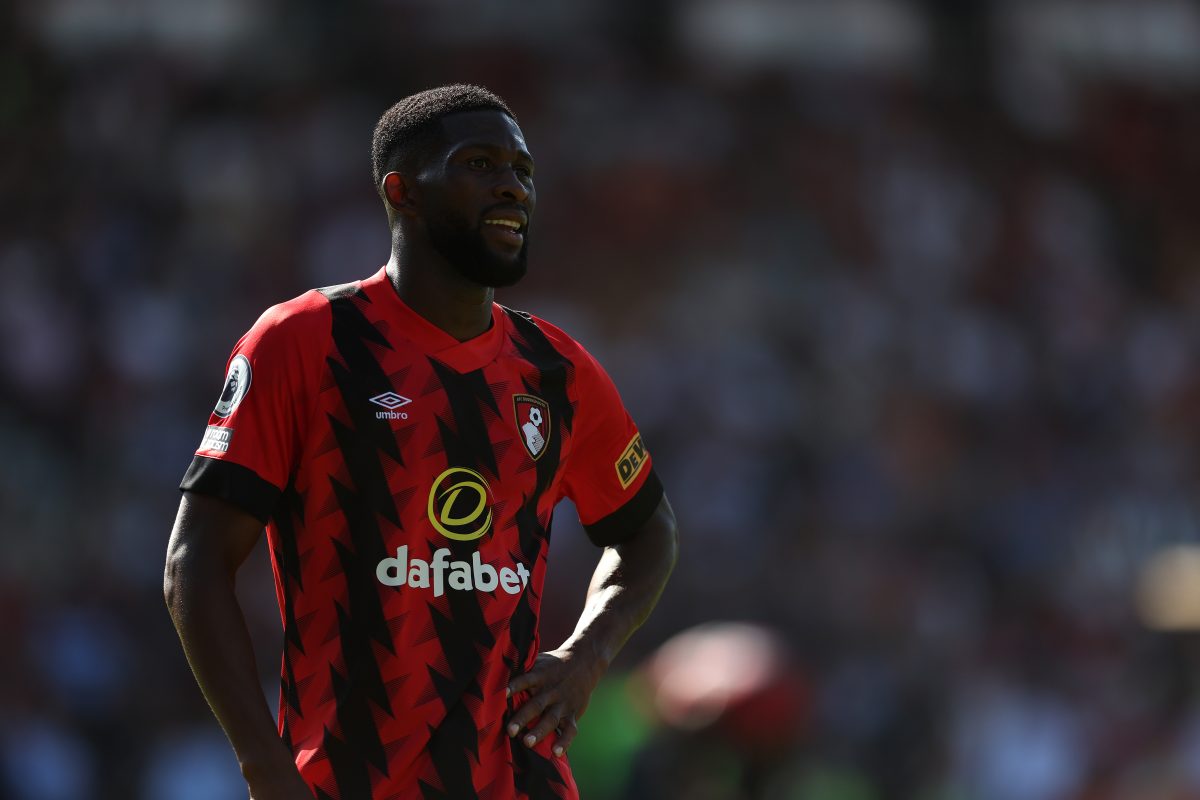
516,226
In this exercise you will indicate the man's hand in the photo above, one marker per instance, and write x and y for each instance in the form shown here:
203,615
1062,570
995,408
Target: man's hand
624,587
560,685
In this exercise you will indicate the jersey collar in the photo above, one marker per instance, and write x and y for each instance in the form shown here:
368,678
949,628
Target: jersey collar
465,356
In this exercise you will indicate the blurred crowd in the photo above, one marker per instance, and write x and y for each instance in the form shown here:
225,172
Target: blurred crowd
904,296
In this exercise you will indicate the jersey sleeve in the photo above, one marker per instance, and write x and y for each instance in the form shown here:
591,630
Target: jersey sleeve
609,474
255,432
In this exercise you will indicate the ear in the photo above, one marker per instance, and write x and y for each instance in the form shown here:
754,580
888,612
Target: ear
397,193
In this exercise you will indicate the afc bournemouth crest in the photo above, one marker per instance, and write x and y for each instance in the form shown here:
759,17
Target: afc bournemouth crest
533,422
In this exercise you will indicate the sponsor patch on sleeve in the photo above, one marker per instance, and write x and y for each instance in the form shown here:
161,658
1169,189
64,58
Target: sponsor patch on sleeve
216,439
631,461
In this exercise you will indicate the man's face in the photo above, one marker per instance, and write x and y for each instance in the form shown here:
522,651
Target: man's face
477,197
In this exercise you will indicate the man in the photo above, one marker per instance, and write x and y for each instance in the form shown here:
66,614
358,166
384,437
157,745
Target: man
405,440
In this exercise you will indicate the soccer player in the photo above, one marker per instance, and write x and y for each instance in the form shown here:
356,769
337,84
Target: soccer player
405,440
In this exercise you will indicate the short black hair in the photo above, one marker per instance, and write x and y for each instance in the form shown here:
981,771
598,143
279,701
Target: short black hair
406,131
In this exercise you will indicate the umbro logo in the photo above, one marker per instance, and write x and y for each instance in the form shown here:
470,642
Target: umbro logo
391,401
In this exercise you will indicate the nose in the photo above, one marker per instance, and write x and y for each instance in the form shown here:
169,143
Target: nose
511,187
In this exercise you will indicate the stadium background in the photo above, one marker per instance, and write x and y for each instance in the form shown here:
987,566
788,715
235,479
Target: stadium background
904,295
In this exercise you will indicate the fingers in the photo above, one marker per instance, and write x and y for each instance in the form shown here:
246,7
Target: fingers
556,695
524,681
550,717
531,710
546,724
567,731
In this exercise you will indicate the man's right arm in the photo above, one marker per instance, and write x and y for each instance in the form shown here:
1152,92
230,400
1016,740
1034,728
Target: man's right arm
210,541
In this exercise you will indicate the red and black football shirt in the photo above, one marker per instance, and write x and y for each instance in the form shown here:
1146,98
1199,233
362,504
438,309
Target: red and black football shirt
408,481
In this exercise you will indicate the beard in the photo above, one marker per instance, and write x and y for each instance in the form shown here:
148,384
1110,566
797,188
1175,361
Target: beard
465,248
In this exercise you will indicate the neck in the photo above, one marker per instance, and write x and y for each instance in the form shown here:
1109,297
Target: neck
430,286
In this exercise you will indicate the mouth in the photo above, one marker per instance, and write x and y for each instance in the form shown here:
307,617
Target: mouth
508,228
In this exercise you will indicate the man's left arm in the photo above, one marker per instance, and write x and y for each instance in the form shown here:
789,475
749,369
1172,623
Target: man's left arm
624,589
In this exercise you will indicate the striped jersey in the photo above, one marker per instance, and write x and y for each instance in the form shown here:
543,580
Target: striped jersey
408,481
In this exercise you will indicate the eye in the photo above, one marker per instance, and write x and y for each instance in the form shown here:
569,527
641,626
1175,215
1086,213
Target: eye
479,162
523,170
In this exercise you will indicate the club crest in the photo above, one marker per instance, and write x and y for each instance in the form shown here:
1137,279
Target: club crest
533,423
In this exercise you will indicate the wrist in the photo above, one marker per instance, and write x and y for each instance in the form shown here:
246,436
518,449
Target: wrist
592,650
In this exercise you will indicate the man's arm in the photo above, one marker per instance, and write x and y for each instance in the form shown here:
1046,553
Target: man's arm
210,541
624,588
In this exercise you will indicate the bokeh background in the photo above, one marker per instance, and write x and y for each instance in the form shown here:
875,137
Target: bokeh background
905,297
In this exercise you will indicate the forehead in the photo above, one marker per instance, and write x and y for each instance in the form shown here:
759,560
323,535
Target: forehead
483,127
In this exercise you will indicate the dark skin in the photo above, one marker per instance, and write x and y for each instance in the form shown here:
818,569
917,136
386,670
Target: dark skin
210,541
483,172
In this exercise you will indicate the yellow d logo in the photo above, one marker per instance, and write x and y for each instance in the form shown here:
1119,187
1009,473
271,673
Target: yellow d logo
457,502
